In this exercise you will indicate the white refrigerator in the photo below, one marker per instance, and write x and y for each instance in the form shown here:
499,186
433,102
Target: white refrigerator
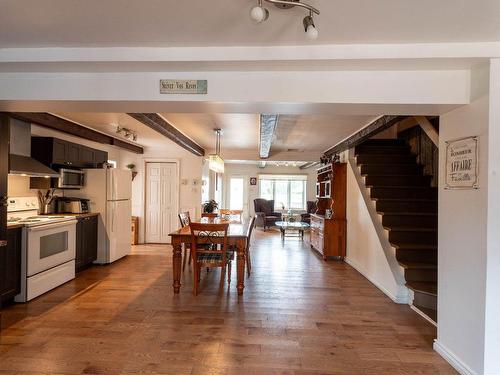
110,191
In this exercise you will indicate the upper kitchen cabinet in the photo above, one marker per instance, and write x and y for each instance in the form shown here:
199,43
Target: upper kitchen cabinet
57,152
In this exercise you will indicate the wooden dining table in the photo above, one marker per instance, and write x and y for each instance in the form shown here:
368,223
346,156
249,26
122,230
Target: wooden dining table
238,236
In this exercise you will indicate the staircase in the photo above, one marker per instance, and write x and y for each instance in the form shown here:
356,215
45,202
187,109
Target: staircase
408,205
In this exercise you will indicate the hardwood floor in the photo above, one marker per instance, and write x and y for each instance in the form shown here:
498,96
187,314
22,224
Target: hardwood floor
298,316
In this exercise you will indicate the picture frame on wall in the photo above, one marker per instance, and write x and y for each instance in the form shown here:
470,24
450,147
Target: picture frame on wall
462,163
253,181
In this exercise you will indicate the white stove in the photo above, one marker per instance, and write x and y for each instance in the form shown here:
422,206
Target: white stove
32,221
49,247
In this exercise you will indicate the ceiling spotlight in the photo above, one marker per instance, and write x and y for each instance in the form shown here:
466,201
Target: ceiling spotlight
259,13
310,29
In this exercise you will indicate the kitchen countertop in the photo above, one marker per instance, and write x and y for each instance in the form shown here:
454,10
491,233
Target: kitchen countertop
87,214
14,225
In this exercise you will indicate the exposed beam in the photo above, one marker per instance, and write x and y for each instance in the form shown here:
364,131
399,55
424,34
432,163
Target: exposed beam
268,125
309,164
51,121
428,129
158,123
375,127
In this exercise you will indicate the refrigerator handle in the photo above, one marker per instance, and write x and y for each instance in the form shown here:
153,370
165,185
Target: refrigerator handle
113,217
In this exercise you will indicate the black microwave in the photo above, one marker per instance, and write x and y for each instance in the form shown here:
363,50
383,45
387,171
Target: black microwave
70,179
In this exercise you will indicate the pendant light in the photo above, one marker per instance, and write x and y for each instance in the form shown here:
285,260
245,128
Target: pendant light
215,162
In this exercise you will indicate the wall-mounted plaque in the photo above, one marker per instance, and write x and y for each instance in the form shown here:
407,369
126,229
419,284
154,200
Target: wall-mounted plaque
183,86
253,181
462,167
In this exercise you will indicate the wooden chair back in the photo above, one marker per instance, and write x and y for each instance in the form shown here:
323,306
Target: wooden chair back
209,238
231,215
250,230
184,219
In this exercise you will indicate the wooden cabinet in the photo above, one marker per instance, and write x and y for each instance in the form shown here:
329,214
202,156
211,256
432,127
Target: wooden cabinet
57,152
328,235
10,265
86,242
4,171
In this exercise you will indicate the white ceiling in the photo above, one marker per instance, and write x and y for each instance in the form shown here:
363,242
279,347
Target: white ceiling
306,135
41,23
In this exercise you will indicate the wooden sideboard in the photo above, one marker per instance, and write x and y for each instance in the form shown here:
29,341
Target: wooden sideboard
328,235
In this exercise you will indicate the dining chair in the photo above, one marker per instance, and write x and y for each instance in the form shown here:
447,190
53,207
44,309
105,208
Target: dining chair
185,219
231,215
209,248
249,260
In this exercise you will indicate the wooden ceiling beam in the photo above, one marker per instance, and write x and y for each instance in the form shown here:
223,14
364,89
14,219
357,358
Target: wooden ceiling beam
268,125
162,126
48,120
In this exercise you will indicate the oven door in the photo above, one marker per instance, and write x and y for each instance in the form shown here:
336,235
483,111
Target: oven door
50,245
70,178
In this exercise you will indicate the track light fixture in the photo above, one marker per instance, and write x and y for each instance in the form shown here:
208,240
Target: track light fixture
127,133
259,14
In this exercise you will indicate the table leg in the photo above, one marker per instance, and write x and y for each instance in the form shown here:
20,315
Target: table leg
240,270
176,264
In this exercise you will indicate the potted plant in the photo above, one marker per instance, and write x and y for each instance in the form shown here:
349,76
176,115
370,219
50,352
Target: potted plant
131,166
210,206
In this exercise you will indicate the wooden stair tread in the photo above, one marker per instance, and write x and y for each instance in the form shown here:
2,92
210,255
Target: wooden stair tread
418,265
423,287
407,213
406,187
430,313
411,229
413,246
393,175
405,199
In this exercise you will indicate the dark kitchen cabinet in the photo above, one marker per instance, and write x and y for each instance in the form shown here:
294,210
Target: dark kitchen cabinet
86,242
10,265
56,152
4,171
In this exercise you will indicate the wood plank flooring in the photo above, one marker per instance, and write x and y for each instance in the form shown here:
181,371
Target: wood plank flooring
298,316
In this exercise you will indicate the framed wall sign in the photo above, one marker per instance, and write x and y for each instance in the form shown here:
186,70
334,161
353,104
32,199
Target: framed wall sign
183,86
462,169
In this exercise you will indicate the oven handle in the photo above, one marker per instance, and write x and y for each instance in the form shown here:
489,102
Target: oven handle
50,226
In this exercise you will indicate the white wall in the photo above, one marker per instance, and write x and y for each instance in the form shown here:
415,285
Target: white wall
252,170
462,254
364,248
492,310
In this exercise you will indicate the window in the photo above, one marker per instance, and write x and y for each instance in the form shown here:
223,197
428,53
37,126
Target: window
286,190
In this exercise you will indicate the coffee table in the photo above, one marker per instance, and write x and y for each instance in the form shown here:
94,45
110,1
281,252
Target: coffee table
292,229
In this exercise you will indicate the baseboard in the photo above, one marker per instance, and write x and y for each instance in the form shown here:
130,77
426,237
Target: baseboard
421,313
403,297
452,359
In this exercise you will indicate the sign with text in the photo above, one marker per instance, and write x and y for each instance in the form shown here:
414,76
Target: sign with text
183,86
462,164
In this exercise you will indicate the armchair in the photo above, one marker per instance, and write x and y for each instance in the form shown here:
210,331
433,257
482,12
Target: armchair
311,208
264,210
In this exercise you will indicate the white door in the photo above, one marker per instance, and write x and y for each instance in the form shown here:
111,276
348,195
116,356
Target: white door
238,194
161,204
